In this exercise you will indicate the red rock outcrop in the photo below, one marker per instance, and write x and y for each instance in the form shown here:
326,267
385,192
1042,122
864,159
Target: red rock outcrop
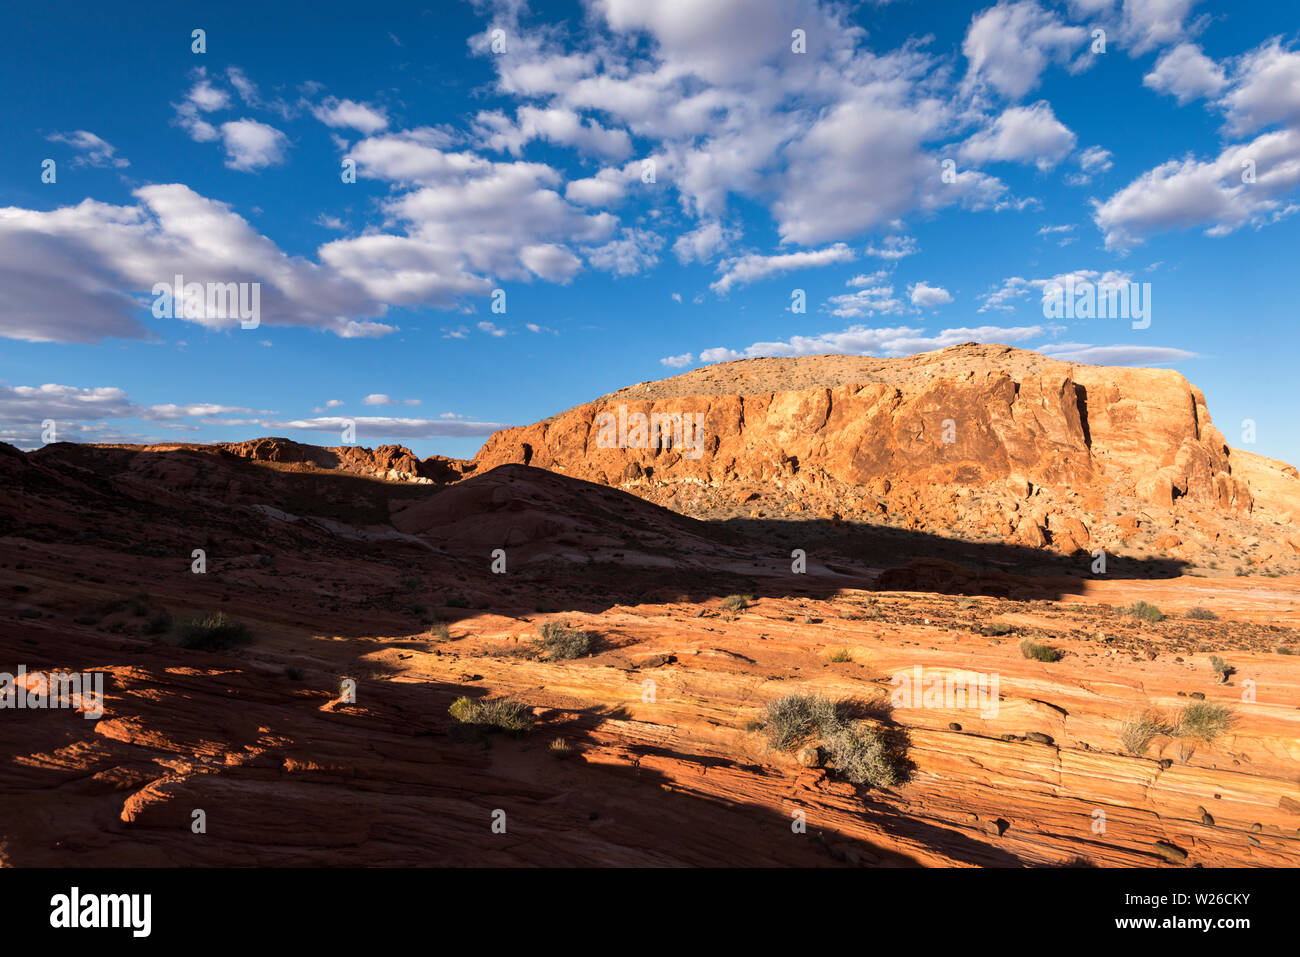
393,463
978,440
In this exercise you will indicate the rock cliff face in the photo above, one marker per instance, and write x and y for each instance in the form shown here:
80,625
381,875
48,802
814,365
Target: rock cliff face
968,431
979,440
393,463
1154,427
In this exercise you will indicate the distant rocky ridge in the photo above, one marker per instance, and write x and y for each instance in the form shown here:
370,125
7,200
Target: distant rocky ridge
980,442
393,463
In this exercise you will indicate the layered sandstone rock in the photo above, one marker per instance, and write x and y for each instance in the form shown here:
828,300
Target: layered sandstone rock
976,439
968,431
395,463
392,463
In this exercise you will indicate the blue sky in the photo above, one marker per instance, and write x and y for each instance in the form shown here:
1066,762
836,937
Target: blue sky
526,169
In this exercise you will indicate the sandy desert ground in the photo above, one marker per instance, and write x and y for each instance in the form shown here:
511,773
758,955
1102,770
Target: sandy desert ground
653,748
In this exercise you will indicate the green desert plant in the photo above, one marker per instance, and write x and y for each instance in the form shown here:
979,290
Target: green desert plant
1221,667
1203,721
1202,614
560,642
213,632
439,631
1137,731
794,718
502,714
839,655
1039,652
858,752
1146,611
735,603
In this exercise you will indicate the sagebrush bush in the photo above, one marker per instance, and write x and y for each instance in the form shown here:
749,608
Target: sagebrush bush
1202,614
1146,611
1137,731
213,632
504,714
736,602
1203,721
1039,652
560,642
860,754
857,751
794,718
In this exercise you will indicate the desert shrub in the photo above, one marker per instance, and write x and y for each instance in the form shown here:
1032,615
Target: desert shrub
861,755
1137,731
159,624
1202,614
1221,667
736,602
1039,652
857,751
793,718
213,632
503,714
839,655
560,642
1145,611
1203,721
439,630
